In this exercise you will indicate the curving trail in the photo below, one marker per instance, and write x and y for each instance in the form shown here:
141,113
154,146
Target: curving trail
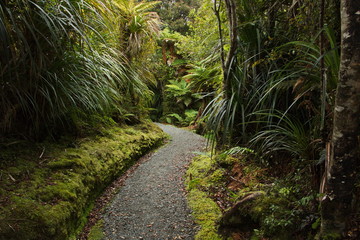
152,204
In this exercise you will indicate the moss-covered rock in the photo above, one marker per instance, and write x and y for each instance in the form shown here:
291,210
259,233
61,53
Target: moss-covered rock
46,189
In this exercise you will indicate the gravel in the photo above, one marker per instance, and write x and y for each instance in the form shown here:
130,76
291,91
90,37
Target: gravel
152,202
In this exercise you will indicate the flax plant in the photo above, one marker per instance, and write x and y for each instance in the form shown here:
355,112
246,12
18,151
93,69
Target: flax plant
56,59
280,79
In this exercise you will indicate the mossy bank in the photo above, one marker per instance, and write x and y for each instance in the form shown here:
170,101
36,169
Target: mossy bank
232,196
47,189
206,212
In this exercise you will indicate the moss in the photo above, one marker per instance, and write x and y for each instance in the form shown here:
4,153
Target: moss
200,166
46,197
201,175
285,207
202,172
96,232
206,213
226,160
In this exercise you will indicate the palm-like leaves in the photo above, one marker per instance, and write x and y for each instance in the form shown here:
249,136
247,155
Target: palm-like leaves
260,83
286,134
204,77
307,62
180,90
54,60
138,24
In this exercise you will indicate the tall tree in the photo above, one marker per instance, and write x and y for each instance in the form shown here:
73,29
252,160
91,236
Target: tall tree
345,155
175,13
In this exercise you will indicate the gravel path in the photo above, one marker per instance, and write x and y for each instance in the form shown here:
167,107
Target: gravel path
152,204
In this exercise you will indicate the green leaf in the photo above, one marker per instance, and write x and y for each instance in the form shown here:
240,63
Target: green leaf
187,101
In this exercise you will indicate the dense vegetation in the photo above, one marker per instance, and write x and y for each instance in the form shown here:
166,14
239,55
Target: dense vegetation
260,78
69,84
64,60
257,77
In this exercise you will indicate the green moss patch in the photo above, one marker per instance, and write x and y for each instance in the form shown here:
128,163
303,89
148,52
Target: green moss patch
234,197
201,176
96,232
215,184
206,213
46,189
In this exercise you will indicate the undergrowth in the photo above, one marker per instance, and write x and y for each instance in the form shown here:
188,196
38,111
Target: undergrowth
46,189
283,207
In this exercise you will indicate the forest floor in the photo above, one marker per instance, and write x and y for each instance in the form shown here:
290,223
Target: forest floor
151,203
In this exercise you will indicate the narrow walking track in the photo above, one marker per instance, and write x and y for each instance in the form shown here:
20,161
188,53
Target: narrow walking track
152,204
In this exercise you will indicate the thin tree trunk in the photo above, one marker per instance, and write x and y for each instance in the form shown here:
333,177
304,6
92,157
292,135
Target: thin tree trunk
338,201
233,27
322,71
216,9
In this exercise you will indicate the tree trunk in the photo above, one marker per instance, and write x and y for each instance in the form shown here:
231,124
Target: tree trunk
217,11
322,71
233,27
228,63
338,201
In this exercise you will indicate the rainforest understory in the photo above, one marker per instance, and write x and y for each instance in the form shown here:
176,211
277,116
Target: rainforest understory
273,85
